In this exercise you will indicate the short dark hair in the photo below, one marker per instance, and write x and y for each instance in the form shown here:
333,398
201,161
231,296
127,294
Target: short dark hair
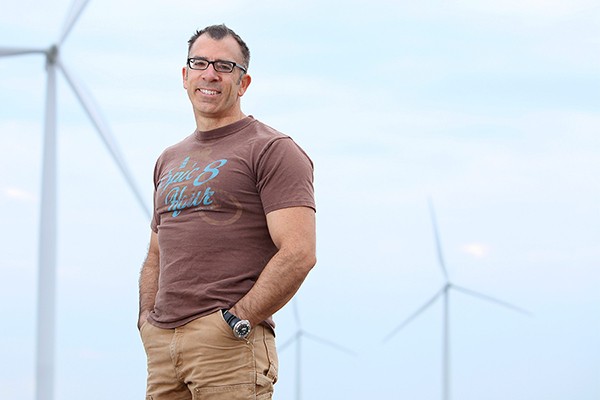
219,32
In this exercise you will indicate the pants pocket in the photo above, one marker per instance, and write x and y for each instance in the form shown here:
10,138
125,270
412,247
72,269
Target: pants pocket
266,363
230,392
268,378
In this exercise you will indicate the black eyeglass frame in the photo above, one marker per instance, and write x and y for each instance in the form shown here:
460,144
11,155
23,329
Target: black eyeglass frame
208,63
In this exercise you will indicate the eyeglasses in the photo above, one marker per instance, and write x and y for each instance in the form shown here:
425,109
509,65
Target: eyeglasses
219,65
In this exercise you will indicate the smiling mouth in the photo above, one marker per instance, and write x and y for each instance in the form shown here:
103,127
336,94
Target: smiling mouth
208,92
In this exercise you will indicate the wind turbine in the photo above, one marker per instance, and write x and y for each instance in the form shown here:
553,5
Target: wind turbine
298,338
45,341
444,293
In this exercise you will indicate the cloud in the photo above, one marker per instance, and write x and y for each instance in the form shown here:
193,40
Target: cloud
19,194
477,250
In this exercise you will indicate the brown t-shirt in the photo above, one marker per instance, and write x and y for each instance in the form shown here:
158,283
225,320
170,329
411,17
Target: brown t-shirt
212,193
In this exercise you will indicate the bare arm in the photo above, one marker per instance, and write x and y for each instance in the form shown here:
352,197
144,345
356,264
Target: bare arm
149,280
293,232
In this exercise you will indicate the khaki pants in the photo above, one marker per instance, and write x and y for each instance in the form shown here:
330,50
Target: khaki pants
202,360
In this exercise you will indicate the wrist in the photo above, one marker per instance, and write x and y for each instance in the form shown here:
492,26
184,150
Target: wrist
241,327
142,318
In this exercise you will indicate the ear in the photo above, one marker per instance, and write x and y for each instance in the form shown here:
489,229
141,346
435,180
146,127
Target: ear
184,73
244,83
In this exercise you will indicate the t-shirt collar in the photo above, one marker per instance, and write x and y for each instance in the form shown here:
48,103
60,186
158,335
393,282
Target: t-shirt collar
224,130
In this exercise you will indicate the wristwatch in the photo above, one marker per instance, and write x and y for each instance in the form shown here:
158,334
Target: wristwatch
241,327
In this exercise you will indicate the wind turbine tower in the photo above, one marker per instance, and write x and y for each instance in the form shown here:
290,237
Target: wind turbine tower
45,341
444,293
298,338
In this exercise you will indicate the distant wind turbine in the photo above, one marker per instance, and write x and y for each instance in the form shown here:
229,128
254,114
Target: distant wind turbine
47,240
297,338
444,292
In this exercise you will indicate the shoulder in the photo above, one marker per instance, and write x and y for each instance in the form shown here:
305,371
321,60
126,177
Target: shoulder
271,139
261,132
181,146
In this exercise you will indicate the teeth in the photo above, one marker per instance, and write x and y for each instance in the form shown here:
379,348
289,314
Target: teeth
209,92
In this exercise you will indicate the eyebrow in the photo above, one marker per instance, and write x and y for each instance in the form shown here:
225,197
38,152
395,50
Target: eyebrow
206,59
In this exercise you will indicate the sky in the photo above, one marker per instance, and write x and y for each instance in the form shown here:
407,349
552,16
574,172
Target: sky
488,110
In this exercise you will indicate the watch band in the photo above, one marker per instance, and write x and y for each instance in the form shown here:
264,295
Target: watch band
241,328
230,318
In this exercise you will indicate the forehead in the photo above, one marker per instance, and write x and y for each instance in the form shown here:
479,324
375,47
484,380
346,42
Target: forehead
223,49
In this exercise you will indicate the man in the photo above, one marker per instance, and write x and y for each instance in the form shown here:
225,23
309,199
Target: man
233,238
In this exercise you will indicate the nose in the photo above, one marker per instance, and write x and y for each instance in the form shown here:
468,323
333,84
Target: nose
210,73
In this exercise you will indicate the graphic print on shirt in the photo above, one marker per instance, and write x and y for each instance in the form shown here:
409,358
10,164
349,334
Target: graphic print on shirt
189,186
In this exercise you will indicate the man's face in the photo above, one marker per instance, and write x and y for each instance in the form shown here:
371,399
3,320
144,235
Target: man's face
215,95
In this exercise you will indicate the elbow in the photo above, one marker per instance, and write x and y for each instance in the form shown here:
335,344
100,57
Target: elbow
300,260
312,261
307,259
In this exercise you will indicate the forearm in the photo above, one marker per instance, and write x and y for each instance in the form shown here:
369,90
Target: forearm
276,285
148,284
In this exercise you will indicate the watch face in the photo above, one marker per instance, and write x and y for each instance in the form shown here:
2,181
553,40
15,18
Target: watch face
242,329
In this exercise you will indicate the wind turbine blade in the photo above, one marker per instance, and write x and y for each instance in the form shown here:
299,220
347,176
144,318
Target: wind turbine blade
15,51
438,242
47,252
329,343
76,10
491,299
106,136
290,341
415,314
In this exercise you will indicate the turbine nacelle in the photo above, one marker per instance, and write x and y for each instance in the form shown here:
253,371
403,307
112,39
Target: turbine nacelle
51,55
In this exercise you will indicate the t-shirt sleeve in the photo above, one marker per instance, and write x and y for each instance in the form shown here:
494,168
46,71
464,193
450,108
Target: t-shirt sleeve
285,176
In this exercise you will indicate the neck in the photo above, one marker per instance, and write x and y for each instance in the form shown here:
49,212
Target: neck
204,123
